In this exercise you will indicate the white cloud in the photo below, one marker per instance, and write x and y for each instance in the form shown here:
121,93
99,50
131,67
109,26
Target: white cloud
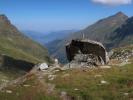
113,2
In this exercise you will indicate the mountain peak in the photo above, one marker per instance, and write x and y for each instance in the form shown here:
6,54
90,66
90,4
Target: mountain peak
121,14
4,18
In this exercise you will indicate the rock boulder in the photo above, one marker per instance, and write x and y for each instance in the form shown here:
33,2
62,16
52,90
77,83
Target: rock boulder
87,51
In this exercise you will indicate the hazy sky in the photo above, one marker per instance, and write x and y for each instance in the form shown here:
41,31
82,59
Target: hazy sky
50,15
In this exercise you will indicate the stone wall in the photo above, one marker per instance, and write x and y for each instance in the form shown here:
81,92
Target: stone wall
86,47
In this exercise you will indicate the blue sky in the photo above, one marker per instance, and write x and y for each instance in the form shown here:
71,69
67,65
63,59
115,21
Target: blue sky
51,15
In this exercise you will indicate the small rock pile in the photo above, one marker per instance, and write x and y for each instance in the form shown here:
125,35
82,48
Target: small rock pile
122,55
87,60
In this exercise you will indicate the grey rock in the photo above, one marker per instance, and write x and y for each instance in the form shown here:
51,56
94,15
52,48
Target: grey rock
86,53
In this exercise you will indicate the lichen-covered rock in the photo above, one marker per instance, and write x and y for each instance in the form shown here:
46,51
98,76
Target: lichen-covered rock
122,55
43,66
87,59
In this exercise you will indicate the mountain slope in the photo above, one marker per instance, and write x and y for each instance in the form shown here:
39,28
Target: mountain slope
99,31
122,36
57,50
13,43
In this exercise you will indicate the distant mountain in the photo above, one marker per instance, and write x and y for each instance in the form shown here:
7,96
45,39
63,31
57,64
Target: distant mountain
101,28
36,36
53,46
14,44
49,37
100,31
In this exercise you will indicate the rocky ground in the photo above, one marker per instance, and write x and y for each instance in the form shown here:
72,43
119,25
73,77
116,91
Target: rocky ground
109,82
121,56
114,83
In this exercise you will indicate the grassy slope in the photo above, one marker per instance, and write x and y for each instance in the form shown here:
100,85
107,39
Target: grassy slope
120,81
14,49
15,44
9,75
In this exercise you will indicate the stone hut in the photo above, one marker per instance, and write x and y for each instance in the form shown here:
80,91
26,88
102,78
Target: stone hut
87,47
